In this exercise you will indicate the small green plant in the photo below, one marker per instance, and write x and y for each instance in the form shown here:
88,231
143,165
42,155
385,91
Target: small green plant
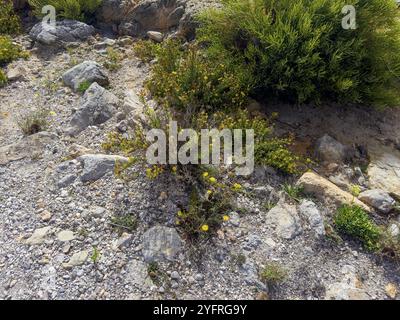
82,10
355,222
83,86
155,273
355,190
95,257
294,192
146,50
238,259
10,23
272,273
114,58
10,51
3,78
124,223
34,122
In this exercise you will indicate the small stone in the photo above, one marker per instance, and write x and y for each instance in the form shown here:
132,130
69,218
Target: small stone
175,275
66,249
77,259
66,236
45,216
394,230
38,236
391,290
199,277
123,241
155,36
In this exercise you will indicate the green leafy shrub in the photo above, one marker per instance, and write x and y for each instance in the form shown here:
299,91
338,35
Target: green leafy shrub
10,23
81,10
9,51
189,79
3,78
355,222
146,50
298,50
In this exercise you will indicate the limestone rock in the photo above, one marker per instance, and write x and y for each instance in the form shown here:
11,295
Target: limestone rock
161,243
326,191
378,199
95,166
38,236
85,72
284,218
66,31
98,105
310,211
331,151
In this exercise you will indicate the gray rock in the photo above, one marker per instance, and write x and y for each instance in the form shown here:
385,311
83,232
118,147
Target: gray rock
95,166
97,106
16,73
135,19
123,241
253,242
66,31
348,288
85,72
137,274
329,150
394,230
65,236
38,236
285,220
175,275
161,243
378,199
77,259
310,211
155,36
384,171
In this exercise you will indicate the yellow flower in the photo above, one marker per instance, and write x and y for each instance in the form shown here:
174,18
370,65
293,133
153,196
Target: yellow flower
180,213
52,113
205,174
178,222
226,218
174,169
209,192
204,228
213,180
237,186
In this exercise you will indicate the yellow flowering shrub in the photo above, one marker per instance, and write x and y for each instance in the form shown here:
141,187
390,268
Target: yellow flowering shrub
189,80
10,51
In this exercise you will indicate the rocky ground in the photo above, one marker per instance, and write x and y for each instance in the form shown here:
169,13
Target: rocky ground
59,195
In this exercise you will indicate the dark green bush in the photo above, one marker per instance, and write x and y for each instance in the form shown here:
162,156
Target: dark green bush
9,22
298,50
69,9
355,222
